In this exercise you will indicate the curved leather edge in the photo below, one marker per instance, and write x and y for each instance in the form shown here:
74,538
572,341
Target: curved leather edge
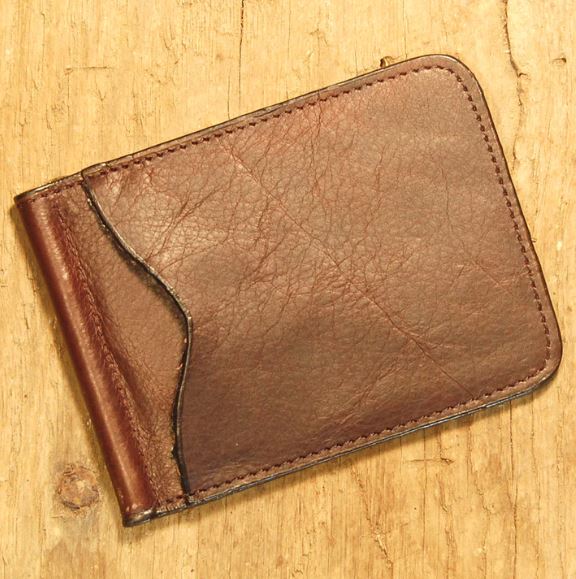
125,247
556,347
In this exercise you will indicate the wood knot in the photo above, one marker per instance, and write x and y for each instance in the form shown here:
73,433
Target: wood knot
77,488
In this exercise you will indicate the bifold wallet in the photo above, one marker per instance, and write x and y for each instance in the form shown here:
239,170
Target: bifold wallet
295,284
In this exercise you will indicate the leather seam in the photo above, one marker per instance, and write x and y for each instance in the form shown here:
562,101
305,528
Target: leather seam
96,318
351,444
418,421
49,192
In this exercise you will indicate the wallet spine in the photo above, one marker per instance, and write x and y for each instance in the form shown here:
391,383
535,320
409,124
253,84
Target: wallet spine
69,288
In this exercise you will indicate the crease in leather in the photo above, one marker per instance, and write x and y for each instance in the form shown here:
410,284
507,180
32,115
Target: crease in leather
135,472
214,133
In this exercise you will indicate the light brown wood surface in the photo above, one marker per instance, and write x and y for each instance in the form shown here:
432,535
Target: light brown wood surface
493,495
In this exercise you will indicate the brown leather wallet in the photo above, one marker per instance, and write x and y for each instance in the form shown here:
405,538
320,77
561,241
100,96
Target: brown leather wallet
295,284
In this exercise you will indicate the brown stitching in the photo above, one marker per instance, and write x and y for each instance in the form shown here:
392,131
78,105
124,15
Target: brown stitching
192,140
58,191
498,171
523,249
117,378
351,443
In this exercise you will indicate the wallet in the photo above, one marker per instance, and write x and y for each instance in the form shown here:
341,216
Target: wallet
294,284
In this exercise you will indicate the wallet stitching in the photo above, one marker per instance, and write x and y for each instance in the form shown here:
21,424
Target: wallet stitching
415,422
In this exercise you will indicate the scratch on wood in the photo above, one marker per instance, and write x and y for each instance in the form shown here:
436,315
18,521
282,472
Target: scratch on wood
520,77
514,497
375,529
240,54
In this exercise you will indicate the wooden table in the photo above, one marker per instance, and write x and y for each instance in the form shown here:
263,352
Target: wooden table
491,495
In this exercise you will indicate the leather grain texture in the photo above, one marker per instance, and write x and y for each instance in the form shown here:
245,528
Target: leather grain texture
297,283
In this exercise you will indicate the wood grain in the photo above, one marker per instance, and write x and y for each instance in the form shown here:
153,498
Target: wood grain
486,496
